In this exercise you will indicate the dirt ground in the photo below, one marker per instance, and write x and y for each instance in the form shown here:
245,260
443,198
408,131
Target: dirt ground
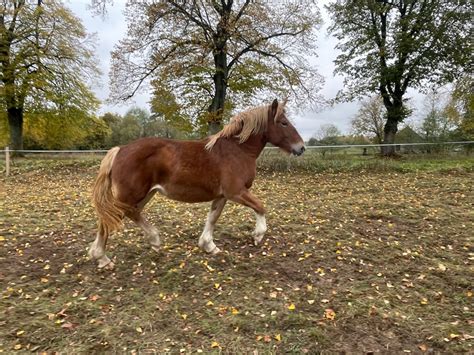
353,261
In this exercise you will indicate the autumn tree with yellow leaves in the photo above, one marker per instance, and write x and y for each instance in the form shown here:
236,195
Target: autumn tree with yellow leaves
46,61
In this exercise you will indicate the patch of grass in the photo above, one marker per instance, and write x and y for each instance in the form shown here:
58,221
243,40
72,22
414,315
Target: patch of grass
312,161
356,260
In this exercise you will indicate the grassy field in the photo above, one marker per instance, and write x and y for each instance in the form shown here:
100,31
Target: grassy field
359,257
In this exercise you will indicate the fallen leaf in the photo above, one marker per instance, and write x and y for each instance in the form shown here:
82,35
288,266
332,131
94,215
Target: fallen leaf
67,325
423,347
291,307
215,344
278,337
329,314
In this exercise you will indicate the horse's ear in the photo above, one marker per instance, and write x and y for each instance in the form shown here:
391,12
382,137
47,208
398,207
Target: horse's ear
274,107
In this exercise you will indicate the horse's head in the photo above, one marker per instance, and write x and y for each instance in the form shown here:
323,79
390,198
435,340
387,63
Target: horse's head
280,131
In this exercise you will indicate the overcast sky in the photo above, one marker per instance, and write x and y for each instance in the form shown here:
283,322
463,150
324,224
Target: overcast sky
112,28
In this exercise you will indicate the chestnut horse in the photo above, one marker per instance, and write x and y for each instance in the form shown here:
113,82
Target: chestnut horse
218,168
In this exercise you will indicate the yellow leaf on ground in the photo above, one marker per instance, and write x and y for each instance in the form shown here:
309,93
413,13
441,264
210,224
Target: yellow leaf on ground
278,337
235,311
139,329
215,344
310,301
329,314
291,307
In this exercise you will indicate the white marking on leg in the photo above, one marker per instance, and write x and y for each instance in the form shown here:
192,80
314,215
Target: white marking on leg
152,233
260,228
97,252
205,240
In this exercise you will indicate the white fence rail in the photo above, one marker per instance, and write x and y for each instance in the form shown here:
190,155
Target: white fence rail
8,152
93,151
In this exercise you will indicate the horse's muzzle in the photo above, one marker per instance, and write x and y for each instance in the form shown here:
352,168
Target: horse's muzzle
299,151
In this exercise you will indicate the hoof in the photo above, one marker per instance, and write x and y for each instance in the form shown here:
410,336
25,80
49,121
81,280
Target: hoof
109,266
215,251
106,264
257,239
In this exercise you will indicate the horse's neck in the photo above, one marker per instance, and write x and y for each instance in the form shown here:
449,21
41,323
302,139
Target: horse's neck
254,145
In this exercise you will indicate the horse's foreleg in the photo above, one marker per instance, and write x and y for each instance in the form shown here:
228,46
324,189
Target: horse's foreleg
97,249
205,240
247,199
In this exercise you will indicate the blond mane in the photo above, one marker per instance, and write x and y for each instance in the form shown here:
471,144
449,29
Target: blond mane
245,124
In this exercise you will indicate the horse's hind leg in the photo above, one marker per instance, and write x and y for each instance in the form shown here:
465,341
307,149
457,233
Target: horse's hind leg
150,230
205,240
97,249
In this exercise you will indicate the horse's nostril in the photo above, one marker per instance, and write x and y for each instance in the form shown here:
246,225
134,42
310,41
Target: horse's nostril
302,149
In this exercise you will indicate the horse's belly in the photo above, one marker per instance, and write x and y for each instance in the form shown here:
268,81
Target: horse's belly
185,193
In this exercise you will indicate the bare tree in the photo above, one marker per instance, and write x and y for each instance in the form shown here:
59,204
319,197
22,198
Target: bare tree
370,119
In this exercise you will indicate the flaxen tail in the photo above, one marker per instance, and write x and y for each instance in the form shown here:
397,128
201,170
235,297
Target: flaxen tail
109,210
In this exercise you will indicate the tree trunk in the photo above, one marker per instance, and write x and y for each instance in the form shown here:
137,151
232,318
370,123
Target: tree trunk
15,122
390,129
395,114
216,109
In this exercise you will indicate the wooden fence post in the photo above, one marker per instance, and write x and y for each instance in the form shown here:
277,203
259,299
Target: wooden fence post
7,160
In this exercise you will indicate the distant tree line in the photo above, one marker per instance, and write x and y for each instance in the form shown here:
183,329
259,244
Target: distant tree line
101,132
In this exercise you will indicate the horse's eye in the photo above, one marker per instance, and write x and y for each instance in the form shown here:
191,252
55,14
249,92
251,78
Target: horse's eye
284,124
